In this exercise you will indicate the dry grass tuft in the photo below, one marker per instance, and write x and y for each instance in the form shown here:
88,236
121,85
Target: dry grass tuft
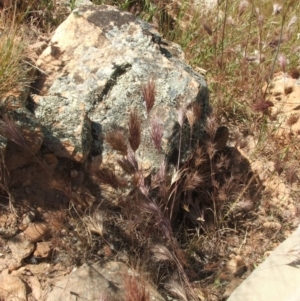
132,160
94,223
107,177
135,289
127,166
192,181
134,131
42,15
156,132
181,116
162,253
243,5
149,94
190,117
262,106
13,69
177,290
10,130
117,142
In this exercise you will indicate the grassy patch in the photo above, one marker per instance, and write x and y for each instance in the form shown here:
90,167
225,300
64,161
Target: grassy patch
13,71
45,14
239,44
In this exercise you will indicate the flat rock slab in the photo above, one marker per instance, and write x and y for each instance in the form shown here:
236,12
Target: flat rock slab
278,278
94,282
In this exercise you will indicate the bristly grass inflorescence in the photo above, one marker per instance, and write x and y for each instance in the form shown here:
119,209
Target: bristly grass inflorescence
201,190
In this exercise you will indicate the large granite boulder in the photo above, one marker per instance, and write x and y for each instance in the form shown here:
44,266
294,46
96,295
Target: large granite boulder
95,68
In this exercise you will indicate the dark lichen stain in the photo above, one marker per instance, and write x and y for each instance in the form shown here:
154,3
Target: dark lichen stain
107,19
119,70
165,52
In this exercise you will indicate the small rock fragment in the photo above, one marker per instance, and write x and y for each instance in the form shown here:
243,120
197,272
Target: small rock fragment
20,247
42,250
36,231
272,226
13,288
30,216
235,267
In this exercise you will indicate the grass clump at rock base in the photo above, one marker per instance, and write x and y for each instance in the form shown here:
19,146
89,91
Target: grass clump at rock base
13,70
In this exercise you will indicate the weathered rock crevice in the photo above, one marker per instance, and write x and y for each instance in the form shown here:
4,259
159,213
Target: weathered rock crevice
119,71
